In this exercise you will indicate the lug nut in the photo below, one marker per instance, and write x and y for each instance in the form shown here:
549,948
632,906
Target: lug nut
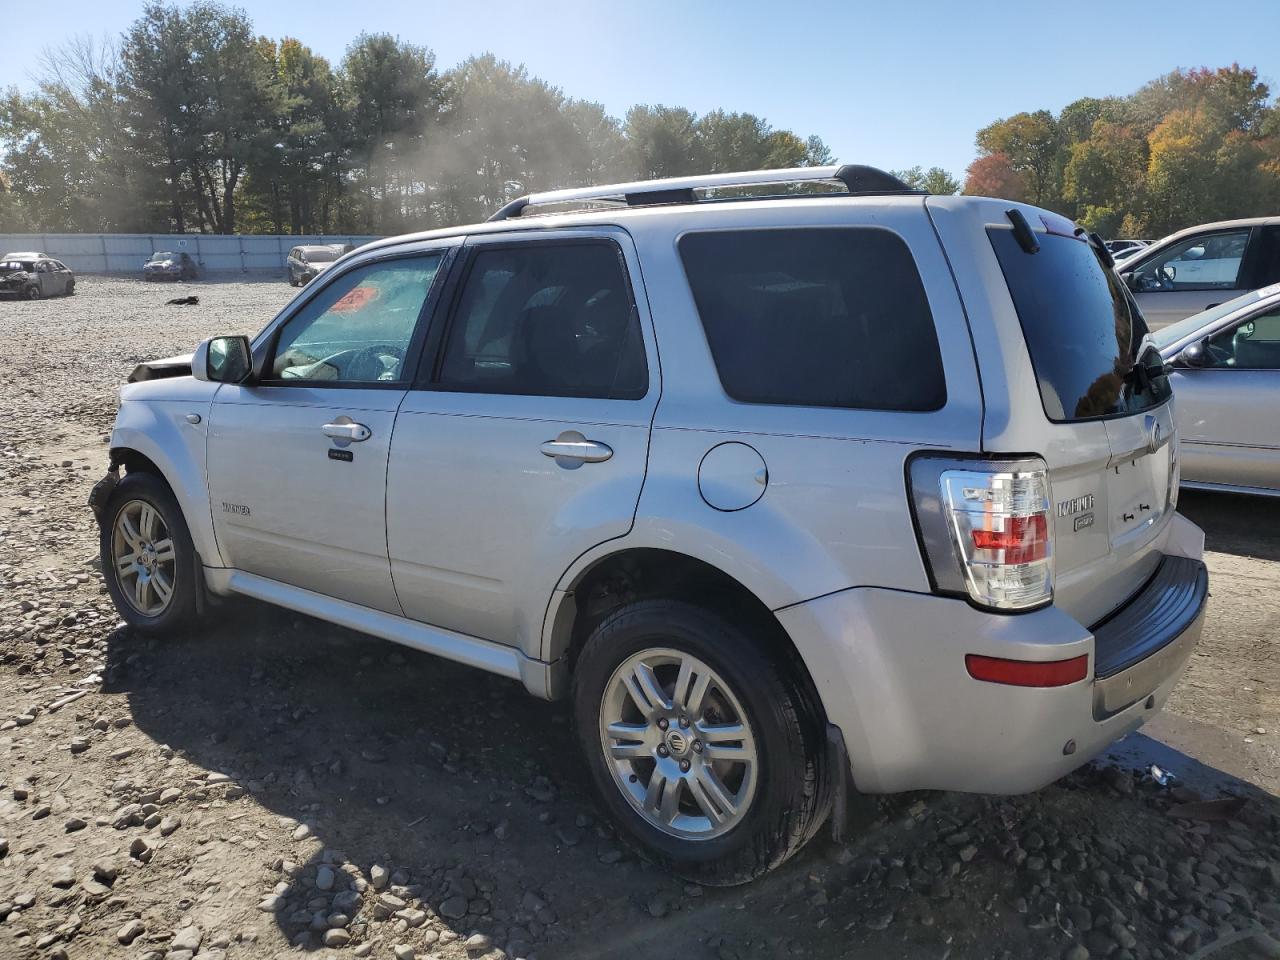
662,750
684,766
697,746
663,723
684,721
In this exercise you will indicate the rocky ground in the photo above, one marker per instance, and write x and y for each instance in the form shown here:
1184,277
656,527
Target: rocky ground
270,785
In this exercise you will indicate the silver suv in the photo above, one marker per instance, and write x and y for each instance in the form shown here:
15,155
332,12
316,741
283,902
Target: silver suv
796,482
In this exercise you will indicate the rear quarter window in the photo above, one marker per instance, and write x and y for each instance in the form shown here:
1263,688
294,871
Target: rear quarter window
823,317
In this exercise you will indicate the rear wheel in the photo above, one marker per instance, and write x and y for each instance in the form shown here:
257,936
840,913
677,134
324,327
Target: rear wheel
32,292
148,559
700,740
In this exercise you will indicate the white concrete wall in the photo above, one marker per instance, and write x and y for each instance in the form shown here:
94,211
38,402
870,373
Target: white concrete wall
126,252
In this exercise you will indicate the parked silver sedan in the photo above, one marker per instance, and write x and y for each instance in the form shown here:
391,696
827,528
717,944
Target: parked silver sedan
1224,366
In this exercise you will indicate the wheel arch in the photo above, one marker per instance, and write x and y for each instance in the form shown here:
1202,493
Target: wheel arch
631,573
135,447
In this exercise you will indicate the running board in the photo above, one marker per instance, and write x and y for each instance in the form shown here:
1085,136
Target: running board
458,647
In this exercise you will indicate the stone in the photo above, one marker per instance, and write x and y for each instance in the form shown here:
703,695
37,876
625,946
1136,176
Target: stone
403,951
363,950
140,850
188,938
455,908
169,795
74,824
324,878
130,931
379,876
478,943
1077,951
302,831
1123,936
659,906
169,824
130,815
105,871
968,852
336,937
272,903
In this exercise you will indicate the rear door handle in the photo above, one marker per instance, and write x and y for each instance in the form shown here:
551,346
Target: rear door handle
573,449
352,432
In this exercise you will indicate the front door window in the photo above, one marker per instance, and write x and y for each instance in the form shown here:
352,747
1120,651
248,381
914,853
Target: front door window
358,329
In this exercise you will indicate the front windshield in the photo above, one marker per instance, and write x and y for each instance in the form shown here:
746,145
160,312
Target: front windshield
1189,325
160,257
9,266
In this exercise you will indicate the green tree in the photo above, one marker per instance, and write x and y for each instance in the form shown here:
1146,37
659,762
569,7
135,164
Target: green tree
935,180
1033,146
394,99
203,102
662,142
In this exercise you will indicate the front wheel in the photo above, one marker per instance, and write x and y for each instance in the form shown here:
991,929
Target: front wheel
700,740
33,292
148,559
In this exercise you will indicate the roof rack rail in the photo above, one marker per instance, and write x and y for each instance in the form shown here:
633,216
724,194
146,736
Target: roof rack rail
858,179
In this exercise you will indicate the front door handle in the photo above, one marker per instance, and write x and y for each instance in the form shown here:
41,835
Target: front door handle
349,431
572,449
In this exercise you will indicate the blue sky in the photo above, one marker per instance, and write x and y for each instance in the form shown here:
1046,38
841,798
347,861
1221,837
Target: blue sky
891,84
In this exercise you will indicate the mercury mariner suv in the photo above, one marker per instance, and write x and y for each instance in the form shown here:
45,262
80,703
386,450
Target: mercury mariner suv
795,482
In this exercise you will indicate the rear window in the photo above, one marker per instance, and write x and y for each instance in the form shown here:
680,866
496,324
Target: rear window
816,317
1082,329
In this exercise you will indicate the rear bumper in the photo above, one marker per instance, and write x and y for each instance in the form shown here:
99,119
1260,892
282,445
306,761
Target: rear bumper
889,667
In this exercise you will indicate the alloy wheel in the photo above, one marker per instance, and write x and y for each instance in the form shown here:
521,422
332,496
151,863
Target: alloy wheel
142,553
679,744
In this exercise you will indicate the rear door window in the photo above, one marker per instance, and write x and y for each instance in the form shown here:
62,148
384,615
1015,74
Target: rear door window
823,317
551,319
1083,330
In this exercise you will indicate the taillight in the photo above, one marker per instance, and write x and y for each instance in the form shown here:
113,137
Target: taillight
985,528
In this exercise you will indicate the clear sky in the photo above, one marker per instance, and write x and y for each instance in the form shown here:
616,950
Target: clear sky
891,84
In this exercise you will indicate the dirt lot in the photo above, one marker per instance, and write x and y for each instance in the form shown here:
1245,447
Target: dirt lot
271,784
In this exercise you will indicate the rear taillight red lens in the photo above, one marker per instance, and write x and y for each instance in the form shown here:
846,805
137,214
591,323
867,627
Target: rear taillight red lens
1020,539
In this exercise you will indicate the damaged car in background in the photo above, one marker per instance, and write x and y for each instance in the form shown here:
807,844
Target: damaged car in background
169,266
31,276
307,262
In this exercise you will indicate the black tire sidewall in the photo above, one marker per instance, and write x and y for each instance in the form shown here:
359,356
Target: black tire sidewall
784,751
153,490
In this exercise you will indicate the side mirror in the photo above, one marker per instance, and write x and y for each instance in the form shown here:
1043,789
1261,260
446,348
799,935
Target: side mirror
1129,280
222,360
1192,355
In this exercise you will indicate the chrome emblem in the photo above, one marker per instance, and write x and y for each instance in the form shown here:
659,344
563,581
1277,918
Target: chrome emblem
1069,508
677,743
1154,434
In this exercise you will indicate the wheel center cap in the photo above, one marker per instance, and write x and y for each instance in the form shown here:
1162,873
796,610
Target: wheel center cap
149,557
677,743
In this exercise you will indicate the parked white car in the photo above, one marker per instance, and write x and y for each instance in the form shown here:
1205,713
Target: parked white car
790,495
1225,371
1203,266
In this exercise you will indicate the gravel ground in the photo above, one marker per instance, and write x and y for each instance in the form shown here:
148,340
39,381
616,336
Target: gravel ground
271,785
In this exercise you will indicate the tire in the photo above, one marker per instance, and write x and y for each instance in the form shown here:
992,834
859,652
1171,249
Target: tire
32,292
789,797
180,572
293,282
71,289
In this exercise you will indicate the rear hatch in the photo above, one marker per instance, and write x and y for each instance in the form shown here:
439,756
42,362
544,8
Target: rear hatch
1104,418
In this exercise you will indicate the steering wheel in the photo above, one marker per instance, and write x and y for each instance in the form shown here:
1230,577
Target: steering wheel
370,363
1166,274
1217,355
